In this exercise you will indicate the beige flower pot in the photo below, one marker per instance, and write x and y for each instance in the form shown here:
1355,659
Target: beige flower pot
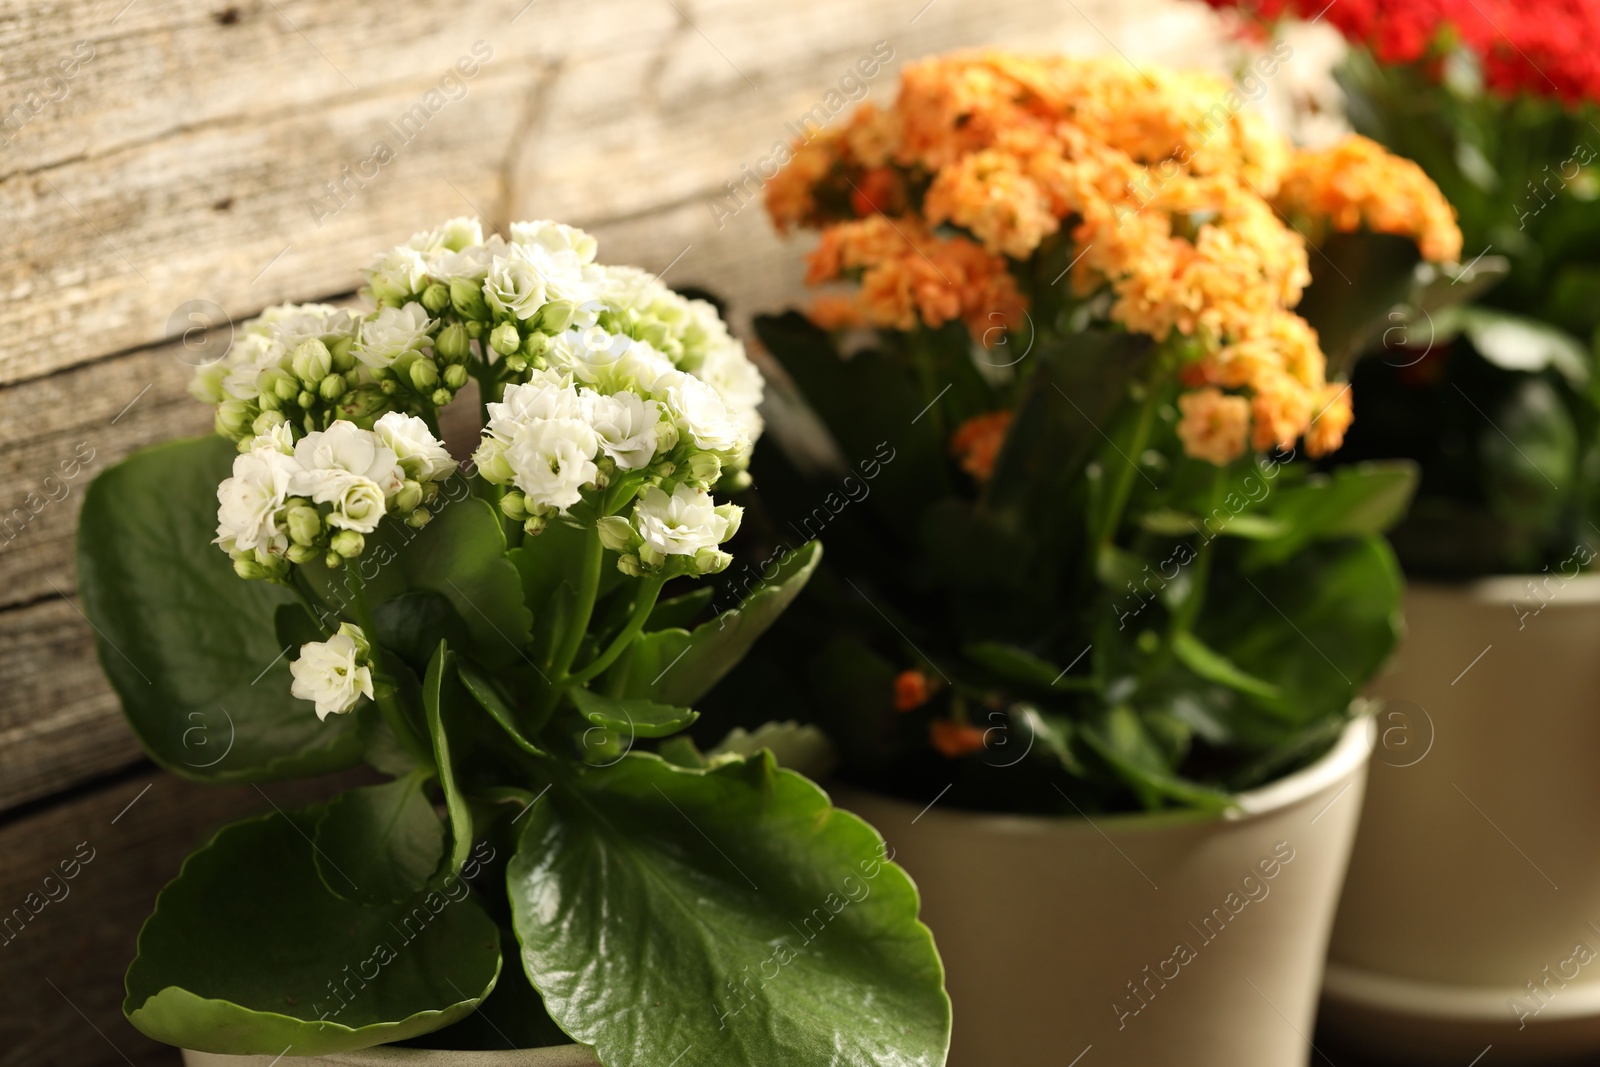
385,1056
1157,941
1476,870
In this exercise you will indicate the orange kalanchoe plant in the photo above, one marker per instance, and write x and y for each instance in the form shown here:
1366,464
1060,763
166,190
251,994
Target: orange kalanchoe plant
1187,219
1102,337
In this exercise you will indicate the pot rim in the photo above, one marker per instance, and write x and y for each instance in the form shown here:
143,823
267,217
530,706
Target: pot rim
1415,998
1583,588
393,1055
1341,761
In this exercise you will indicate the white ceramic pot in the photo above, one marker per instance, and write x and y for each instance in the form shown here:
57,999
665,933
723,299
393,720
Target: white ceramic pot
1158,941
386,1056
1477,865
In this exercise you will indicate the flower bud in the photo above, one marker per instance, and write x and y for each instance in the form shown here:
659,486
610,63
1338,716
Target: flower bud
305,525
514,505
424,375
312,361
738,481
615,532
441,397
359,404
467,298
475,328
234,417
389,387
534,525
535,345
630,566
419,518
389,290
267,421
435,298
333,561
333,387
302,553
273,380
344,360
409,497
505,339
249,569
735,516
557,315
704,468
359,636
347,543
452,344
455,376
269,401
306,399
518,363
711,560
495,469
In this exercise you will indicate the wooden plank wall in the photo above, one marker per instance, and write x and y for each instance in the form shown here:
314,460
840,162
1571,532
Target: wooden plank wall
168,165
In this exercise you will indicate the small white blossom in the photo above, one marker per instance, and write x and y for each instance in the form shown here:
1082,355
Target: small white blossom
452,236
546,395
555,237
420,454
248,503
350,468
700,413
392,333
402,269
678,525
626,426
551,460
332,673
514,286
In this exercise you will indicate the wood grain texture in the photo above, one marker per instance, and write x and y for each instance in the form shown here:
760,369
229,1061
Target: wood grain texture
61,969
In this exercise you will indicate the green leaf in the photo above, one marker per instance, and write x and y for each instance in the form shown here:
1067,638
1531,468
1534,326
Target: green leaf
776,913
1515,343
442,688
1014,663
379,843
1123,741
632,717
249,954
412,625
678,667
189,646
799,747
460,555
1169,522
1358,280
1358,500
489,697
1215,667
680,610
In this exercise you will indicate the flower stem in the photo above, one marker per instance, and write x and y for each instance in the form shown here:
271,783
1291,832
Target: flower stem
588,589
419,749
648,594
1122,487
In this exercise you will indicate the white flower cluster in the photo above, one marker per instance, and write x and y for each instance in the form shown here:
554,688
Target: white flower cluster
291,501
335,674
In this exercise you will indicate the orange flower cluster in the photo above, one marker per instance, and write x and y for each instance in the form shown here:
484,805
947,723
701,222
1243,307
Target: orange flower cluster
976,443
1170,198
1357,183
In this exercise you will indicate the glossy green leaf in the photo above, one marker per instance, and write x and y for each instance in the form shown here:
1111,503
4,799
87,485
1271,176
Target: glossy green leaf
460,555
765,924
1017,664
1125,742
632,716
379,844
189,646
1517,343
491,699
248,953
1215,667
1360,284
444,697
1359,500
679,666
800,747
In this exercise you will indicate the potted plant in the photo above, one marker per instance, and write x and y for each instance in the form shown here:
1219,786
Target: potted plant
502,639
1498,402
1091,629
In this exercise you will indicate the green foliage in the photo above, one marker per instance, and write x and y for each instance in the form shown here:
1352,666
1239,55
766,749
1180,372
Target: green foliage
1497,402
517,689
1123,626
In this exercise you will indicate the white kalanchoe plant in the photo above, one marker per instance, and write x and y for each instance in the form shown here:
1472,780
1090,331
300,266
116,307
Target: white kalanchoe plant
516,642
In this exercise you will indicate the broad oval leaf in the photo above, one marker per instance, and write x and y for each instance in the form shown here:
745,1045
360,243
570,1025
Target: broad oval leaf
461,555
680,666
189,646
632,716
248,953
443,694
765,926
379,843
